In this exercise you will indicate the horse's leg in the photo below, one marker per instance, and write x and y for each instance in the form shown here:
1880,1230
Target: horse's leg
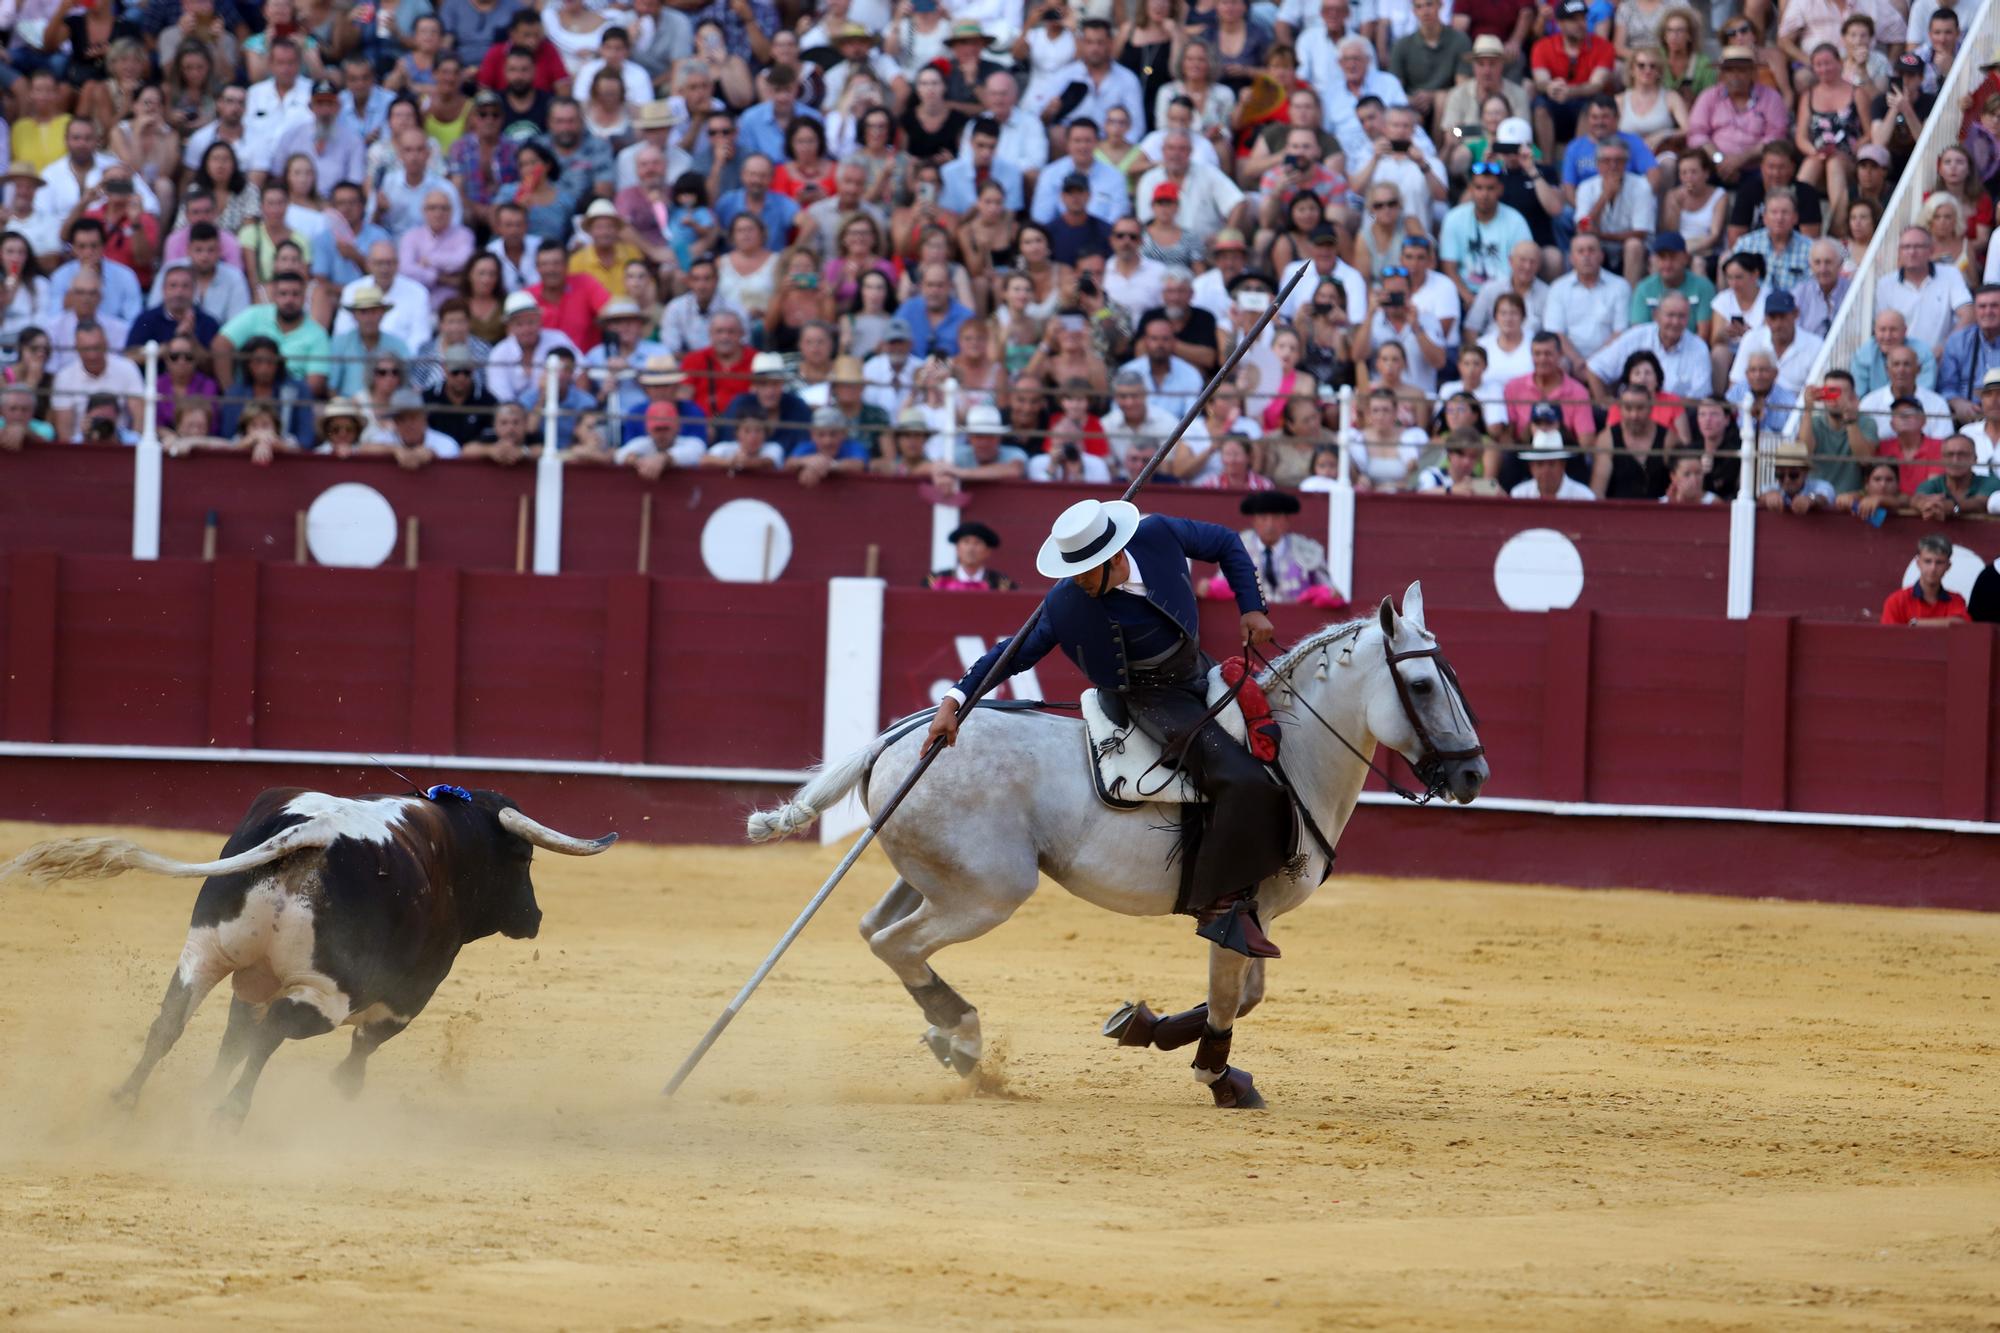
1253,988
906,945
1228,983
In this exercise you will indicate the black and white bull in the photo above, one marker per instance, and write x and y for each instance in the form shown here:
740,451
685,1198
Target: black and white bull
328,911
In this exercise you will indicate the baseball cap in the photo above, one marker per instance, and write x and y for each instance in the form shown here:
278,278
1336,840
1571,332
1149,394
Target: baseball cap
1325,231
405,400
1780,303
1076,180
1514,132
1572,9
1873,152
1546,414
1667,243
898,330
829,418
321,88
662,411
1909,63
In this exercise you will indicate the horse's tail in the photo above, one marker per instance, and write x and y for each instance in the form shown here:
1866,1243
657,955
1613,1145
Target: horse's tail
828,784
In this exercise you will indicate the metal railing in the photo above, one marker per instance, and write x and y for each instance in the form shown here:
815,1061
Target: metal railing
1854,323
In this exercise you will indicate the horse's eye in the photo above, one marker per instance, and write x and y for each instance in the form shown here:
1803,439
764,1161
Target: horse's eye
1421,687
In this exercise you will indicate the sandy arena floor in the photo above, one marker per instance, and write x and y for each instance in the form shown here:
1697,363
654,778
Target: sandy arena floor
1491,1108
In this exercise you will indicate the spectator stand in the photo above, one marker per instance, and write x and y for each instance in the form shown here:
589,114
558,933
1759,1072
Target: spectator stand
1854,322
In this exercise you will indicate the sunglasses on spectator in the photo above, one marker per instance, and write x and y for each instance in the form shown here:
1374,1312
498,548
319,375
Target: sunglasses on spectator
180,356
455,370
1791,472
386,370
1395,271
1488,169
1124,235
1384,203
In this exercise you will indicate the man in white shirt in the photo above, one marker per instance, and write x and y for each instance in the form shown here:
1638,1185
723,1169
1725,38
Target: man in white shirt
1932,298
1024,140
653,122
1901,365
1132,418
684,323
1587,307
1207,199
412,440
516,364
514,246
891,373
1524,263
95,370
1547,479
1780,338
409,317
227,127
1132,282
1619,206
1171,383
1431,292
78,172
614,51
1683,356
1228,255
1355,78
1401,160
1104,82
1327,266
273,106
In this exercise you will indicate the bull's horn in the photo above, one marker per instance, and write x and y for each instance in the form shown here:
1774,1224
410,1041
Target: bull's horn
548,839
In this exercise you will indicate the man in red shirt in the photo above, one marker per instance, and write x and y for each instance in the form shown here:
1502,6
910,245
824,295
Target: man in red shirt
1570,66
131,234
569,301
551,75
1928,602
720,371
1909,446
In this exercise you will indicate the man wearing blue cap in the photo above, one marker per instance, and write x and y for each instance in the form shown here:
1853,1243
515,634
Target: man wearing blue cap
1671,273
1779,337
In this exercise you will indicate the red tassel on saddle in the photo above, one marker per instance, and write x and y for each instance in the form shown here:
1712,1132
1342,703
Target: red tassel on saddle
1260,728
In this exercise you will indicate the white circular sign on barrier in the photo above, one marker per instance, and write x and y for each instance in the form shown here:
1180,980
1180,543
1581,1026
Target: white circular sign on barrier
746,541
1538,569
351,525
1965,566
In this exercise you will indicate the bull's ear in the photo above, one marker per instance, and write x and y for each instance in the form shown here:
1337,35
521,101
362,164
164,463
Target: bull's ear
1387,615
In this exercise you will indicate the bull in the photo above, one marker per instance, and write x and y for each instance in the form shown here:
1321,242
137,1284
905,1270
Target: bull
328,911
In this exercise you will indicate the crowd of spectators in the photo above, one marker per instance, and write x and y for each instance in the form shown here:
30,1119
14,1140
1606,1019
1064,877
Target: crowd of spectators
1558,250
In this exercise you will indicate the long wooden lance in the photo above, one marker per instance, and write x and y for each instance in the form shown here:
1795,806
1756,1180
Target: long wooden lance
996,674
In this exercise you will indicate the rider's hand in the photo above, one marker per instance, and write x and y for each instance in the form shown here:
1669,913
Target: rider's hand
1257,628
945,724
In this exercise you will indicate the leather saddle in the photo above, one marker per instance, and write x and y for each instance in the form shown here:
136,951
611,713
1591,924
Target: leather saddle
1125,767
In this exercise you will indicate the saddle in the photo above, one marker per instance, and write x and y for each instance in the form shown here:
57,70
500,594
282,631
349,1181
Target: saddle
1125,763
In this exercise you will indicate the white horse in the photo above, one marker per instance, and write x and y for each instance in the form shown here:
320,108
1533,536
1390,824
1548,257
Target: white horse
1013,800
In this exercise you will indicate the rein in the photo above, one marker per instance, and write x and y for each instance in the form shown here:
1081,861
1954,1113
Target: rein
1429,765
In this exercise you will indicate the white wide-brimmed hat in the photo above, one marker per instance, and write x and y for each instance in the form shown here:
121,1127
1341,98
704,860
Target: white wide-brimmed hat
1085,535
1545,446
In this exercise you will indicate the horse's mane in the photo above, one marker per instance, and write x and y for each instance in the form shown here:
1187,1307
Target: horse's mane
1282,665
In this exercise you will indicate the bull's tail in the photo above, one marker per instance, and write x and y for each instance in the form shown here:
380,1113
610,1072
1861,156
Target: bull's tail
102,858
828,784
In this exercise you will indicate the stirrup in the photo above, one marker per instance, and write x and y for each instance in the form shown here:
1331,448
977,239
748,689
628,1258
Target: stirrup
1236,928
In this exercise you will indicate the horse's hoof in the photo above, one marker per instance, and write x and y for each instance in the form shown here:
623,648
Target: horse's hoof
1132,1025
950,1053
347,1082
125,1099
228,1117
1235,1091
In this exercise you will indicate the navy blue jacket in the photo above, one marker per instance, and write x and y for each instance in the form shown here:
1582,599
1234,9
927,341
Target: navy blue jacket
1078,623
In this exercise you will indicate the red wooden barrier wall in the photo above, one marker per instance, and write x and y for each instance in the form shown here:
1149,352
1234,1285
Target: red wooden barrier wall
1636,557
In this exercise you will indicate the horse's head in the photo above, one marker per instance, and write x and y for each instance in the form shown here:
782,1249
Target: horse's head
1420,711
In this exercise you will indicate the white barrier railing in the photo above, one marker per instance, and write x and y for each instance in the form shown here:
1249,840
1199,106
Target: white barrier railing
146,466
1854,323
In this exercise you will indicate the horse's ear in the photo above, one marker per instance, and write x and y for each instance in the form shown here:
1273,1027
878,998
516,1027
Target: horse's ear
1413,604
1387,615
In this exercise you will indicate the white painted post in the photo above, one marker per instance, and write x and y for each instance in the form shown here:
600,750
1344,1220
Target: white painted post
853,704
1743,522
1340,507
146,465
548,483
944,518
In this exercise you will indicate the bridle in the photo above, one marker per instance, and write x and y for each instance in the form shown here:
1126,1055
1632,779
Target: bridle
1430,760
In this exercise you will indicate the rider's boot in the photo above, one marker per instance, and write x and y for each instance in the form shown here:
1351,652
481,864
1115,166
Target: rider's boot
1232,923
